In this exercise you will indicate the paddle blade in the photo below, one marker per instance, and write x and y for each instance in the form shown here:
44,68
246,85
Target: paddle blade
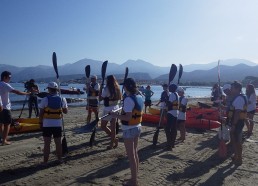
54,60
87,71
222,152
103,70
117,127
126,73
92,137
64,146
180,73
89,127
155,137
172,72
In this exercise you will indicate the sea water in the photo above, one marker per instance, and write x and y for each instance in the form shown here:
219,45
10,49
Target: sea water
18,100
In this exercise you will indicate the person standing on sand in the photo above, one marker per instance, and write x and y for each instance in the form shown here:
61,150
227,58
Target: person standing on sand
171,126
111,95
92,90
148,93
5,115
52,108
163,100
236,116
251,107
32,87
182,113
131,118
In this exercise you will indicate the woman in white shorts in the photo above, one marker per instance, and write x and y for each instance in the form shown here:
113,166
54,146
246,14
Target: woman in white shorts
111,95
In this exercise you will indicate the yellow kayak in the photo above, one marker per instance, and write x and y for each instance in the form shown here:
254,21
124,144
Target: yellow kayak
19,128
27,120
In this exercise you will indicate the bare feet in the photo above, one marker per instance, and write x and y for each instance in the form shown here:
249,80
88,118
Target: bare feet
6,143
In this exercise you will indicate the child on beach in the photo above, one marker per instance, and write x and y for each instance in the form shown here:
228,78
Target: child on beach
182,113
148,93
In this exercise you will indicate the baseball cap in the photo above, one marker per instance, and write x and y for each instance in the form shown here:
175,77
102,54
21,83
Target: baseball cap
52,85
226,86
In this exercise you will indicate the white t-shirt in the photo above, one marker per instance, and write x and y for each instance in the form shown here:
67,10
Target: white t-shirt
182,115
251,106
105,94
172,98
128,107
5,88
51,122
239,103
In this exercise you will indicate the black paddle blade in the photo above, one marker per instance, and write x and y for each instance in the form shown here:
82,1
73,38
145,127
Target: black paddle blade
64,146
54,60
172,73
92,137
87,71
155,137
126,73
180,73
103,70
117,127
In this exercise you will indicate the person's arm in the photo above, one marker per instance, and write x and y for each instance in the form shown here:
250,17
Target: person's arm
152,93
20,93
1,105
65,107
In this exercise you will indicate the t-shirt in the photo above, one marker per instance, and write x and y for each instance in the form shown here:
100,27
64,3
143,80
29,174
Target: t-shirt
96,87
252,105
148,94
164,98
51,122
128,107
5,88
182,115
239,103
172,98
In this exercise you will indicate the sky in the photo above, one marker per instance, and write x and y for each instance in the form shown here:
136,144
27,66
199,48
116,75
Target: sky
160,32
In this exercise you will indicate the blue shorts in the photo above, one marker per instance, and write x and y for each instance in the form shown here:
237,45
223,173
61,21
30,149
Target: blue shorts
132,133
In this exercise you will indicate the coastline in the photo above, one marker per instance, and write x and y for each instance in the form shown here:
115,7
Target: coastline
194,162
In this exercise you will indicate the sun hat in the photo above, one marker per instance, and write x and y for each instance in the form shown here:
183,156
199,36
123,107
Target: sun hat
52,85
226,86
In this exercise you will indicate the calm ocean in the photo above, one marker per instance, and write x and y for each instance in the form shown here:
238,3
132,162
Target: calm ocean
18,101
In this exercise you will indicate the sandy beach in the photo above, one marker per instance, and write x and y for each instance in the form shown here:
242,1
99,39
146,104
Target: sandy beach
194,162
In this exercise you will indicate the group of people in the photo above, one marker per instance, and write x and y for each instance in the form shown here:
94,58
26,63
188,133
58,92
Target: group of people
240,109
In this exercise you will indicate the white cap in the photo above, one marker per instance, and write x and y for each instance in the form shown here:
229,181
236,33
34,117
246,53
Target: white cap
52,85
226,86
180,89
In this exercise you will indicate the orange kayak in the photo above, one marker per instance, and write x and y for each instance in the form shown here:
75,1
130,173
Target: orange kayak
190,122
19,128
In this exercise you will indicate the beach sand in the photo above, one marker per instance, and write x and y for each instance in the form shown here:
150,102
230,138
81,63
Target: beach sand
194,162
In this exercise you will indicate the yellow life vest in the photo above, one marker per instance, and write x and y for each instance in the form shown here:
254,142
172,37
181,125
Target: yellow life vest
243,113
54,108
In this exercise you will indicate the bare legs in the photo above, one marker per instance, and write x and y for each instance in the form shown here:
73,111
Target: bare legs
47,142
249,124
4,132
111,131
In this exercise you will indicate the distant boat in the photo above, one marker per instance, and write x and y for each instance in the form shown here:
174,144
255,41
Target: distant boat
74,91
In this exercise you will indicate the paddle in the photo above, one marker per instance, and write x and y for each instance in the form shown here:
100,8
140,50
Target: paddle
87,73
64,142
180,73
222,145
103,74
172,74
126,74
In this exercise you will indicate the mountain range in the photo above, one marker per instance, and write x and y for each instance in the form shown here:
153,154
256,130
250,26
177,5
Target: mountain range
232,69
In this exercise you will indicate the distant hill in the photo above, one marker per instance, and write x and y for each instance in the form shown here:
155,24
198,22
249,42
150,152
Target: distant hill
139,68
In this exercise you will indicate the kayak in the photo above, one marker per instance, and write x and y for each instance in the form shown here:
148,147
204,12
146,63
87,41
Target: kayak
27,120
190,122
66,91
19,128
196,112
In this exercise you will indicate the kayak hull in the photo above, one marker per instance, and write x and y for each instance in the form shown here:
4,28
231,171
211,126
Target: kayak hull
24,128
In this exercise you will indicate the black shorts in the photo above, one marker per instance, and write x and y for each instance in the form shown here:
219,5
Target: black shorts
93,103
147,102
5,117
49,131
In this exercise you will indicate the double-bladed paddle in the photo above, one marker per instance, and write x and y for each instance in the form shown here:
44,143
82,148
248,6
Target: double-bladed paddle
172,74
180,73
103,74
87,73
64,142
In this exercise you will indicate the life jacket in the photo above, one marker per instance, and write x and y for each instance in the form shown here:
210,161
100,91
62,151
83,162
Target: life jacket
93,93
182,107
174,105
136,112
54,107
243,113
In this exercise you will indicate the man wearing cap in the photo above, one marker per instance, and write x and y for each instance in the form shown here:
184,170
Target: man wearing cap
52,108
5,115
33,99
92,90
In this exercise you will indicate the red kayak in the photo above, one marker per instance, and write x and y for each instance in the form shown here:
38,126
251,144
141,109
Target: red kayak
190,122
66,91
